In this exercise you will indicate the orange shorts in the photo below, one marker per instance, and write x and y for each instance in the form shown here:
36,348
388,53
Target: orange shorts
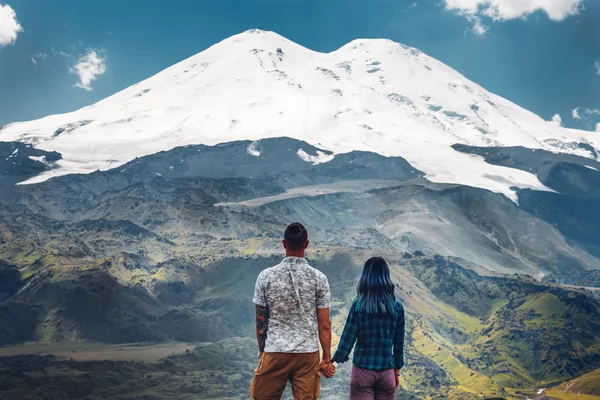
276,369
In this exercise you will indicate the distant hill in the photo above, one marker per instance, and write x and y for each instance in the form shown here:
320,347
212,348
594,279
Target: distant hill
582,388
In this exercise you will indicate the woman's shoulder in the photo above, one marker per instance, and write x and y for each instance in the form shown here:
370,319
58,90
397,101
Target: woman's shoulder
398,306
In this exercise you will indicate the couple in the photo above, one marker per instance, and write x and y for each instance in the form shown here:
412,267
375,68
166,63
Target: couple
292,302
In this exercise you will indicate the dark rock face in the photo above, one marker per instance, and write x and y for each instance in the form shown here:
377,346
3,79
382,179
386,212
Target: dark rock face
453,284
568,174
16,164
578,219
10,281
575,209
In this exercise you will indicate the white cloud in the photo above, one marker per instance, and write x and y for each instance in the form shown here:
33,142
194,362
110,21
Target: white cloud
479,29
64,54
586,112
556,120
510,9
587,118
38,57
9,26
88,68
597,66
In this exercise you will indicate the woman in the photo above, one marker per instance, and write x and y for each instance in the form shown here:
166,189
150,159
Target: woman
376,324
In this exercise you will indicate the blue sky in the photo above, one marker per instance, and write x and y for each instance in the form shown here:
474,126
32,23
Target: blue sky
546,59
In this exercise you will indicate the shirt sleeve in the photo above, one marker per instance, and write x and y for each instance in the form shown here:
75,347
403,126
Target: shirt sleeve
399,339
323,292
348,339
260,295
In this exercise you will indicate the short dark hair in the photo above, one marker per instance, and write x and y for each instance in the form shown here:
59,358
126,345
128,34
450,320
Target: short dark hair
295,236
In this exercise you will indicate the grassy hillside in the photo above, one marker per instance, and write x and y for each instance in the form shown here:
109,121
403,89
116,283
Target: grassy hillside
586,387
468,335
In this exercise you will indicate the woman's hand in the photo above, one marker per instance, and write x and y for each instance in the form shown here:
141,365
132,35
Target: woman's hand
327,368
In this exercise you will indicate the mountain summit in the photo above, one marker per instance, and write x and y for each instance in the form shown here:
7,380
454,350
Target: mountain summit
373,95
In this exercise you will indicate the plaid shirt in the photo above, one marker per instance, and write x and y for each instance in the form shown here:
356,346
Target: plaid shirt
375,336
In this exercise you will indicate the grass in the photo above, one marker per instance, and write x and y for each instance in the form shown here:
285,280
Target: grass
92,351
497,304
468,380
555,393
46,330
545,306
251,246
585,387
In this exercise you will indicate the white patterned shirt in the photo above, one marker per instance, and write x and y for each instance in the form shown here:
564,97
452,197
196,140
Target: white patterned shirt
292,291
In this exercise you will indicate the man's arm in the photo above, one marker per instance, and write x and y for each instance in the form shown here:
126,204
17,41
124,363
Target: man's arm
325,332
262,319
261,311
323,304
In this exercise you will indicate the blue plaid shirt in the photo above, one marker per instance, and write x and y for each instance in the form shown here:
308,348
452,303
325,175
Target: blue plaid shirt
379,340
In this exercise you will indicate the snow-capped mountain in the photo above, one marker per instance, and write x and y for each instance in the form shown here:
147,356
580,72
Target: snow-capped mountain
373,95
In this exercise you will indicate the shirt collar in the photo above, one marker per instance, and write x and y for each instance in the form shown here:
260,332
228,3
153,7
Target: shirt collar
294,261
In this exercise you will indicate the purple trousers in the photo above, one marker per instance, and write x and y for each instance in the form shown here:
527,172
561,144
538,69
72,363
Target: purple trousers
372,385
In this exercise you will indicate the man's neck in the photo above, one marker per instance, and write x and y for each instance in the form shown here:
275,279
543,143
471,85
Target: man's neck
294,254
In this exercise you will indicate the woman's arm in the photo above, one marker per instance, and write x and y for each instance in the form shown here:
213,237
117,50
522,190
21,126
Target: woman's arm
348,339
399,340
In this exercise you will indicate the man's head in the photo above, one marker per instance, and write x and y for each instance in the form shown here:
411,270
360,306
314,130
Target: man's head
295,240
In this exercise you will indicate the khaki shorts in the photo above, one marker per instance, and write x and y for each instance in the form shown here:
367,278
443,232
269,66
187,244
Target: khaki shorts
276,369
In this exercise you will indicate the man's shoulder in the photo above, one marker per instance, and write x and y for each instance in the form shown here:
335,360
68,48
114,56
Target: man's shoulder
267,272
317,273
320,275
280,269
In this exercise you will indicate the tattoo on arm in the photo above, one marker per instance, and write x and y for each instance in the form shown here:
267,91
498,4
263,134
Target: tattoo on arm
262,319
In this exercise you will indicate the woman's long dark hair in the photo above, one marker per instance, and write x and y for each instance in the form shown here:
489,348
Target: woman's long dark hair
375,289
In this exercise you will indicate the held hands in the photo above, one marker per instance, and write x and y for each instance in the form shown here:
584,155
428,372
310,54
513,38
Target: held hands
327,368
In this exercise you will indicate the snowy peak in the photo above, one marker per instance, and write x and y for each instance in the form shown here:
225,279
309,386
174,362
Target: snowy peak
371,95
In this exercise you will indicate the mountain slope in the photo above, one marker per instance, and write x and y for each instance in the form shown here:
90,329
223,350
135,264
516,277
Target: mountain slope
150,204
372,95
583,387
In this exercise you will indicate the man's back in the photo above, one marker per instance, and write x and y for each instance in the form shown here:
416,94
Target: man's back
292,291
292,318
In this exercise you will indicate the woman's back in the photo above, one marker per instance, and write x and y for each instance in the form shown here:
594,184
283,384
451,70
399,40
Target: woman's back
379,338
376,325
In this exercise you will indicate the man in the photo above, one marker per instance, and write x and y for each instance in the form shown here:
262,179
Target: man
292,317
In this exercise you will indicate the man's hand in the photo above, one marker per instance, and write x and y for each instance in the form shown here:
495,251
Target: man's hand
397,381
327,368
